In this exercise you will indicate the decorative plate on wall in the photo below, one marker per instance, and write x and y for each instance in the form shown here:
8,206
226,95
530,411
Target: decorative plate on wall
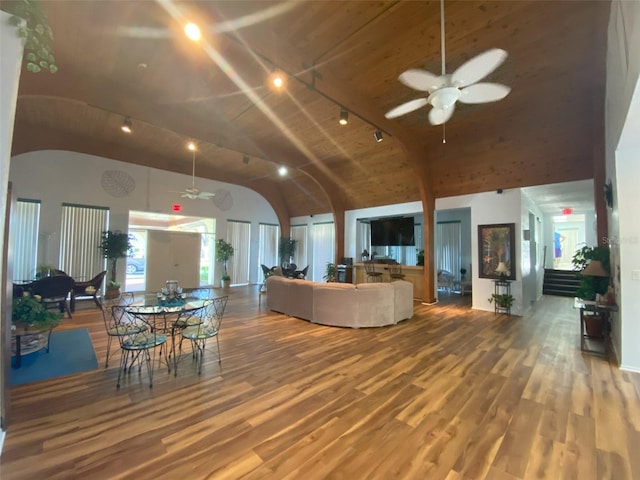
223,200
117,183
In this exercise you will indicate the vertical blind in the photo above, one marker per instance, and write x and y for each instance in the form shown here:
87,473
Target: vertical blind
80,235
239,236
299,233
322,240
449,247
24,238
268,248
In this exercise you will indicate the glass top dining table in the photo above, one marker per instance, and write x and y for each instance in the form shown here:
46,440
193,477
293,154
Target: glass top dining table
168,317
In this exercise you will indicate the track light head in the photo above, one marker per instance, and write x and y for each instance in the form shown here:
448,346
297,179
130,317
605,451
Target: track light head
344,116
378,136
126,126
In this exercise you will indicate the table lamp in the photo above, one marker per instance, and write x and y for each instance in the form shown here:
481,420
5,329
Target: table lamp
595,269
502,270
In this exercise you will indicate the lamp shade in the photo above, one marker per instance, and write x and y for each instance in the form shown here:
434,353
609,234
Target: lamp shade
595,269
502,268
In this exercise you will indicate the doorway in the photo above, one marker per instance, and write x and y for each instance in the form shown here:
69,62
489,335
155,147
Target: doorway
141,223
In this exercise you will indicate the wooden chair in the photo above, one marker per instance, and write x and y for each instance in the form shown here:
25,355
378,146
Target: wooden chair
395,271
90,288
372,275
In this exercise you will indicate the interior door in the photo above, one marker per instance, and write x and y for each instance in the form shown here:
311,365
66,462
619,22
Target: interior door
172,256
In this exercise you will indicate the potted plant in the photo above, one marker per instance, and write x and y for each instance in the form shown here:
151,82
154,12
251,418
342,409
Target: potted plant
463,272
114,245
287,250
34,29
224,252
27,312
503,301
591,286
420,258
330,272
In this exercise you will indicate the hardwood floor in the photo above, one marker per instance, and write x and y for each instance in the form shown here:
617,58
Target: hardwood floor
450,394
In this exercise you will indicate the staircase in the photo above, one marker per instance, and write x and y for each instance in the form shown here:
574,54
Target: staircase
561,283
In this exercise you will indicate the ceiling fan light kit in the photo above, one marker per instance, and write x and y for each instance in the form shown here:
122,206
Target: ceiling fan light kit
445,90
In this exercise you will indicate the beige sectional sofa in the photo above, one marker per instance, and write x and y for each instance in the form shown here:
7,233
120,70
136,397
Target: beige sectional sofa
341,304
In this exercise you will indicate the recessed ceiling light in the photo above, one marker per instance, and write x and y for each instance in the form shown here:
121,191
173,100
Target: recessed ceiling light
282,170
277,80
192,31
126,125
344,116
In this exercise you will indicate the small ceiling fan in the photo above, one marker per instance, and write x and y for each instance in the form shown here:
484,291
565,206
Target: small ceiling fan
193,193
445,90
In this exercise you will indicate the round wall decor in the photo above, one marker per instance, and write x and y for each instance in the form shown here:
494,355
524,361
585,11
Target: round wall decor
117,183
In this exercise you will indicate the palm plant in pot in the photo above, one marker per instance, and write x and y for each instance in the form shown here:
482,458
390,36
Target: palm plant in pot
224,252
114,245
593,267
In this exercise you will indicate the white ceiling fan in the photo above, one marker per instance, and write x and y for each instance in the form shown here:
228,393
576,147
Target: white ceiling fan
193,193
445,90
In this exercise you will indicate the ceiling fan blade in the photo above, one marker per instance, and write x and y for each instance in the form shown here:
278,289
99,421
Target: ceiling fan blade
206,195
438,116
420,80
484,93
478,67
406,108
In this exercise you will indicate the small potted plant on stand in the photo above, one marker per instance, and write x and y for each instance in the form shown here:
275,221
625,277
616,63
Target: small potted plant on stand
330,272
224,252
114,245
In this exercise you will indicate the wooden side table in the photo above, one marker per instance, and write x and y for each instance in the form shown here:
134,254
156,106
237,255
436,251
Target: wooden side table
594,326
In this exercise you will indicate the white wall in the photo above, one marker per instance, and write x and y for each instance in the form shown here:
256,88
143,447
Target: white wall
55,177
10,62
622,124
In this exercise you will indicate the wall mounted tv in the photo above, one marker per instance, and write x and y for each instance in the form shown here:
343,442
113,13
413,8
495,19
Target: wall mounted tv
392,232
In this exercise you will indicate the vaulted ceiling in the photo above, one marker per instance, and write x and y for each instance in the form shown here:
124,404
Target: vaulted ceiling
124,58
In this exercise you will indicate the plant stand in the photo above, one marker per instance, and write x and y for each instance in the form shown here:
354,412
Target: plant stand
502,287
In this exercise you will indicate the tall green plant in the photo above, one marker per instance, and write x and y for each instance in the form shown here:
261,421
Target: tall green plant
224,252
590,286
287,250
114,245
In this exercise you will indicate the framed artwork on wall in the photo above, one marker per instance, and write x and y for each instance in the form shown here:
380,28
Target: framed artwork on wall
497,251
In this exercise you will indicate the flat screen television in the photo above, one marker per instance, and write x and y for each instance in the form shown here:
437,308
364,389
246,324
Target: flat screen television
392,232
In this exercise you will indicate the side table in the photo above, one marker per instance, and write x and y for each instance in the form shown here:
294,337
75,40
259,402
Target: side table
25,341
594,326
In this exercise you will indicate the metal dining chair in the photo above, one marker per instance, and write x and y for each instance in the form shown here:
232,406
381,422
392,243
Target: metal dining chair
115,328
209,328
372,275
136,344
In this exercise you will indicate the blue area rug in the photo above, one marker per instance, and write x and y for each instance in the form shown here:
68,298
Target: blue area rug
71,352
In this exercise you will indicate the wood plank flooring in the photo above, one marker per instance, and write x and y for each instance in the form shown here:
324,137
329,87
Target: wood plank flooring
450,394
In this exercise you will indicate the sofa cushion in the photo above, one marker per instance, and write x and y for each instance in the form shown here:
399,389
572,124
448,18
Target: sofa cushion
403,300
301,294
334,304
375,304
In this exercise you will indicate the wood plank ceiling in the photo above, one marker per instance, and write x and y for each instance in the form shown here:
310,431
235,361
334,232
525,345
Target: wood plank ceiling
130,58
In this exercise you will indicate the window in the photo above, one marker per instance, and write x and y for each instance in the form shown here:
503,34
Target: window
449,247
299,233
239,235
268,246
24,238
322,240
80,235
